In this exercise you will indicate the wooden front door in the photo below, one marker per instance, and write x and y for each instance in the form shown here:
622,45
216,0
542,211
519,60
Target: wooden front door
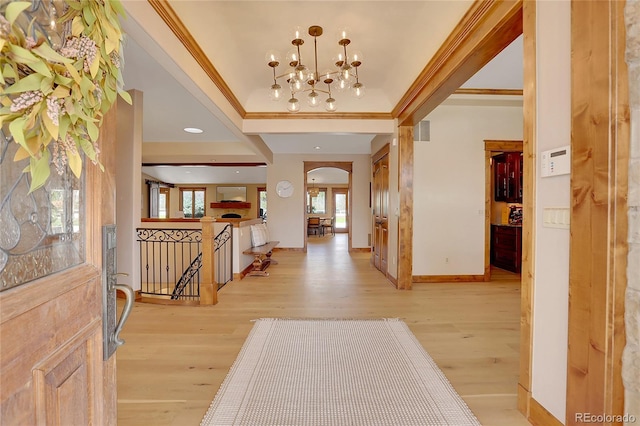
51,358
380,199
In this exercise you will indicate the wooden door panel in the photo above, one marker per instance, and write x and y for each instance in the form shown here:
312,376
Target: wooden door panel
39,340
51,365
380,213
68,384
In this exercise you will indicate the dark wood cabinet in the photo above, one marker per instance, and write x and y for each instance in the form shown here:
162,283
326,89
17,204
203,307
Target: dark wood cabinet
506,247
507,168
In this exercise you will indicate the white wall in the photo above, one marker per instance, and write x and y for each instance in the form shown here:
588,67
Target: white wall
551,276
449,187
286,216
128,195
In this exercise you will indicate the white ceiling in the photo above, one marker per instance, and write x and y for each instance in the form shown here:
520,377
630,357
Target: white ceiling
397,39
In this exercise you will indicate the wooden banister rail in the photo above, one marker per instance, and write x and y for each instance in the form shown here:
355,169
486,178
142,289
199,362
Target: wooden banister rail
208,285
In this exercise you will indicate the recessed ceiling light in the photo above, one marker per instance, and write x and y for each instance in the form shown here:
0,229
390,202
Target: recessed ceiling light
237,171
193,130
316,147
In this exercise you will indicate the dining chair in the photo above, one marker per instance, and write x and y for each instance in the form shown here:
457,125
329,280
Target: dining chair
313,226
327,222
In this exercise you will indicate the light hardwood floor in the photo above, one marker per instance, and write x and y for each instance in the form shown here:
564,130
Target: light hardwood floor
176,357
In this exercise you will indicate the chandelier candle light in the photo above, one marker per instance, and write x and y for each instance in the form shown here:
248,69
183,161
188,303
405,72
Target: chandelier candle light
302,79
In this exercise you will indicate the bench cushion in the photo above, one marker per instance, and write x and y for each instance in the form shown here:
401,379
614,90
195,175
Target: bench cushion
259,235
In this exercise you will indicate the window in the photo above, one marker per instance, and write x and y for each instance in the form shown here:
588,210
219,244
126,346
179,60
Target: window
163,203
262,202
192,202
317,204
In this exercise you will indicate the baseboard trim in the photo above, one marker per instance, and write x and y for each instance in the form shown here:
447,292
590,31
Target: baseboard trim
361,249
524,401
244,272
540,416
447,278
393,280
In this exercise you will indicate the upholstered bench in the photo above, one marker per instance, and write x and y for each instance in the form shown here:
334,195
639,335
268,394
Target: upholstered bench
261,250
262,258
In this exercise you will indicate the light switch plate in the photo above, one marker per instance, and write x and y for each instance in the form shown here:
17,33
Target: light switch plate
556,217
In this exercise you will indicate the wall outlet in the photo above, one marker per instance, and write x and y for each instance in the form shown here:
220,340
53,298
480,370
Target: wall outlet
446,260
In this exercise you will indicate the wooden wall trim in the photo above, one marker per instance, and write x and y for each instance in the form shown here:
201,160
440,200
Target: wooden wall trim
347,166
539,416
393,280
169,16
318,116
503,92
485,30
503,146
405,219
529,146
599,184
361,250
448,278
385,150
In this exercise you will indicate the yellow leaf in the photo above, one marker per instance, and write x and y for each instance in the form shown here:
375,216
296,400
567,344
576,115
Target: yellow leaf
39,171
94,66
74,73
45,51
60,92
109,46
14,9
33,144
75,163
21,154
77,27
126,97
51,127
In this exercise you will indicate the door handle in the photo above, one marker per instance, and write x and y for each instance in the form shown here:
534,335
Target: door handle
126,311
110,328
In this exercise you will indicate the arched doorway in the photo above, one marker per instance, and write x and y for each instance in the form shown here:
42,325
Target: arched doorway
347,166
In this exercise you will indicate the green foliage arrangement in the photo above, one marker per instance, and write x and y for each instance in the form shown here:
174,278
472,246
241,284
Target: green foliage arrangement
53,100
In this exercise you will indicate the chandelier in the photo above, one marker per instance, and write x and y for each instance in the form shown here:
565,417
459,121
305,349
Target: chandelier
304,80
314,190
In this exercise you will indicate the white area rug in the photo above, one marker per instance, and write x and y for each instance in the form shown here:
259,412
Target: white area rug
335,372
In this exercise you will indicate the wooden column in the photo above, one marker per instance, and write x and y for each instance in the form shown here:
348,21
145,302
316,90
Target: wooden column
599,186
405,220
631,355
528,204
208,285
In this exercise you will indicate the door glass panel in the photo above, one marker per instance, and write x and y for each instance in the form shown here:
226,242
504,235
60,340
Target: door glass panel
341,211
42,232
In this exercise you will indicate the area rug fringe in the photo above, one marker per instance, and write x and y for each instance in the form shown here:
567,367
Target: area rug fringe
335,372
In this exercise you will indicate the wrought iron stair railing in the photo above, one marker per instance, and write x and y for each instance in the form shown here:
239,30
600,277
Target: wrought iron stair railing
171,261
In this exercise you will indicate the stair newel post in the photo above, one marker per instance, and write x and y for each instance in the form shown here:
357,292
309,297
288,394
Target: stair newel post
208,285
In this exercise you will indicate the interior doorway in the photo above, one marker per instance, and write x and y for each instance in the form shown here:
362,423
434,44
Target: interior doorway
491,149
325,185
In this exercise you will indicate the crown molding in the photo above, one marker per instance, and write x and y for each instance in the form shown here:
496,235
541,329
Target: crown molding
507,92
318,116
169,16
